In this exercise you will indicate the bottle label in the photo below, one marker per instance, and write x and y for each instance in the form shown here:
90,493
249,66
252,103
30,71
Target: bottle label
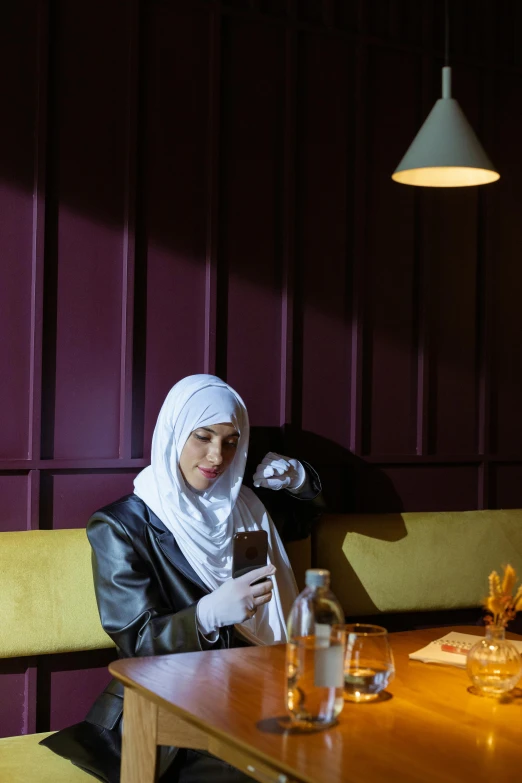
328,663
322,631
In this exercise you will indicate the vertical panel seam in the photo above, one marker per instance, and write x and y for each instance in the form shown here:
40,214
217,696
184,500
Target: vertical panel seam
30,689
33,500
129,235
422,294
359,243
213,159
289,227
38,234
483,298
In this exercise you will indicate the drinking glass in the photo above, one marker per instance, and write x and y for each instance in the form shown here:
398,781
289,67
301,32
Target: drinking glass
368,662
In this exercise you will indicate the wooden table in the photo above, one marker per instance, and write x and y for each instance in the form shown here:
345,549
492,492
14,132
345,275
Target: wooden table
229,702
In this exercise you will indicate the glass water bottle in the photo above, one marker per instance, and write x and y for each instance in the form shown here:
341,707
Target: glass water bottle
315,654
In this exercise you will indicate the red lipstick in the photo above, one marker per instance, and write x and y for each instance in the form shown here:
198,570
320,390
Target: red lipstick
209,474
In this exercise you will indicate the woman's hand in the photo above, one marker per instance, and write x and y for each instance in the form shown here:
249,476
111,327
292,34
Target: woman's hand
236,600
278,472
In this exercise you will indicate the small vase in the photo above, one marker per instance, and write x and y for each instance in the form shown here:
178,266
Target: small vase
494,665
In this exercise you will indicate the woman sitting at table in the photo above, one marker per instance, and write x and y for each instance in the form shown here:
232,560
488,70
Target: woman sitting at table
162,562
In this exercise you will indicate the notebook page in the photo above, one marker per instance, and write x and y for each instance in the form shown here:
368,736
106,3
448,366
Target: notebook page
460,642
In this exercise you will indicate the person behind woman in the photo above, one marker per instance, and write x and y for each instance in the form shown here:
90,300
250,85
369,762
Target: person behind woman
162,562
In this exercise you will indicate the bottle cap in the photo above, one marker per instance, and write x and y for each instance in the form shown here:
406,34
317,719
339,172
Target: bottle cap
317,577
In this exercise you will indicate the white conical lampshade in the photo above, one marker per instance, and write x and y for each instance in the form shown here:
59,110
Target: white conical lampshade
446,151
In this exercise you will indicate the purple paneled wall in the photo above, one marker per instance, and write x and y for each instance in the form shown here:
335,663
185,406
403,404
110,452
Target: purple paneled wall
18,98
205,186
324,213
172,198
504,243
251,246
389,376
74,496
87,168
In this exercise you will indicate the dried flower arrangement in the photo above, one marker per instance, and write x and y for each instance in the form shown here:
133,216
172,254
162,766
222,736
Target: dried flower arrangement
503,602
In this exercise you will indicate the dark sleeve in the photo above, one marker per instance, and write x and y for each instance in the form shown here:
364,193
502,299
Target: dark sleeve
131,607
295,514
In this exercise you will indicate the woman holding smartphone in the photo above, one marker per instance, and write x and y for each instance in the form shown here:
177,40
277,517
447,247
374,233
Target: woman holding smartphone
162,561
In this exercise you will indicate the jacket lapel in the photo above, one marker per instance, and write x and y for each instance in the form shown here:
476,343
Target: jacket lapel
170,547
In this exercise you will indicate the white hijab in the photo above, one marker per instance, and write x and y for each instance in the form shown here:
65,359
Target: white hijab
204,524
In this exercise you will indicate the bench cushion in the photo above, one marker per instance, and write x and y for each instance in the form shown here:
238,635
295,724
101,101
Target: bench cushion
23,760
416,561
48,600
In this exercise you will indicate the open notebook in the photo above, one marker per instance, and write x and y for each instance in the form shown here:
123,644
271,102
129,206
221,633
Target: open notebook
451,649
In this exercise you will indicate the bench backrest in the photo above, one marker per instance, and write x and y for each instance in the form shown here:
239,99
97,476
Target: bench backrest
47,601
416,561
379,563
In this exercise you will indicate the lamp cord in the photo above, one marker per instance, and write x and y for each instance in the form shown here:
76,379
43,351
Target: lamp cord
446,32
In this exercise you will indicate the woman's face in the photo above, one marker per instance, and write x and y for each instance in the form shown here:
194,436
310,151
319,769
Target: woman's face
207,453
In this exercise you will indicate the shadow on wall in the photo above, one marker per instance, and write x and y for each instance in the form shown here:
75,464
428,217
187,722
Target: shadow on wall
330,551
349,483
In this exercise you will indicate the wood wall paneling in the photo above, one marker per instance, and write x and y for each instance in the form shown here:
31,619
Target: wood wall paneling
449,249
453,362
505,230
251,209
69,498
390,361
175,168
88,130
276,8
397,20
12,703
506,481
504,35
18,44
325,162
417,488
74,683
14,492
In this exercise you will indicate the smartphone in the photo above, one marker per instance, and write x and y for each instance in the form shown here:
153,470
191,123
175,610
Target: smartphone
249,551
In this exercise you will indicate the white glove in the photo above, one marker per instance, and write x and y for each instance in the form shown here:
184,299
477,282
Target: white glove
235,601
278,472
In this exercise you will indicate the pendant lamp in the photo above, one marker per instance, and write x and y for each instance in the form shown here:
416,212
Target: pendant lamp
446,152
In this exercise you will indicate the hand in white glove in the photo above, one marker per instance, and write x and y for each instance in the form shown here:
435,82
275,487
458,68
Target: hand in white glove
236,600
278,472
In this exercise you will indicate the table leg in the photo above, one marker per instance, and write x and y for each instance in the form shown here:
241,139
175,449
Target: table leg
173,730
140,730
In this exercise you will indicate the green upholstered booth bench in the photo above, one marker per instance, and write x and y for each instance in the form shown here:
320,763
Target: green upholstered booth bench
434,565
47,606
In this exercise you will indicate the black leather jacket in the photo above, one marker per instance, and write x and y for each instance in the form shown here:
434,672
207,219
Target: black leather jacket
147,594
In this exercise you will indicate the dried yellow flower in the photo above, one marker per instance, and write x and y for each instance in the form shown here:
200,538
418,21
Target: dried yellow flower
501,603
495,588
494,605
509,580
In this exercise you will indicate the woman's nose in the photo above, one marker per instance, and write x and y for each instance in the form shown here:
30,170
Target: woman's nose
214,454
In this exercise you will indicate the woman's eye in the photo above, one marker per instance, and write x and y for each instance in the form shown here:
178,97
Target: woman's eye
232,443
201,437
